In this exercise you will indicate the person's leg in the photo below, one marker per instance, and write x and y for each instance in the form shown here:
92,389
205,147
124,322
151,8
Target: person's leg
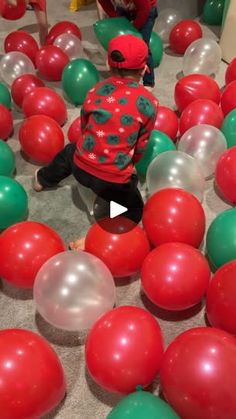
100,12
146,31
42,21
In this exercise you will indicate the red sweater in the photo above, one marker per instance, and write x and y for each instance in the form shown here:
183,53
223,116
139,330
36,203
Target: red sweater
140,8
117,118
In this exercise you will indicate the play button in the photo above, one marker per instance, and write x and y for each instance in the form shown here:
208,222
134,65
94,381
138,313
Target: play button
116,209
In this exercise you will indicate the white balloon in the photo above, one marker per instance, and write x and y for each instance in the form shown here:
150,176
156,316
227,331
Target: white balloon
167,19
70,44
202,56
15,64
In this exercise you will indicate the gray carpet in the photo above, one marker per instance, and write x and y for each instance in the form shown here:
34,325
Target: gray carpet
63,210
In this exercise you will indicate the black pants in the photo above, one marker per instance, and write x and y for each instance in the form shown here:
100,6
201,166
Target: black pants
62,166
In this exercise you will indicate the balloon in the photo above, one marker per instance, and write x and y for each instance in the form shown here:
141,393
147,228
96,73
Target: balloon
198,374
202,56
51,61
107,29
229,128
167,19
6,122
7,160
174,215
74,131
124,349
70,44
14,64
157,144
73,289
41,138
206,144
5,97
174,169
226,175
183,34
78,77
167,122
115,250
12,12
13,202
220,302
221,238
201,111
193,87
213,12
28,391
228,98
142,404
23,42
156,47
45,101
60,28
230,74
175,276
26,246
23,85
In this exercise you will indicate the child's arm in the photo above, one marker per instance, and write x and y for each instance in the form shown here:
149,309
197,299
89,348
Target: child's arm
143,9
143,139
42,20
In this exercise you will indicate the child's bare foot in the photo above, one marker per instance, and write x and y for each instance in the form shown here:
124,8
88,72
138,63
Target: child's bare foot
35,183
77,244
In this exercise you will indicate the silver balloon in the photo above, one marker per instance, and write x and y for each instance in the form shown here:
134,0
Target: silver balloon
167,19
15,64
174,169
202,56
206,143
70,44
73,289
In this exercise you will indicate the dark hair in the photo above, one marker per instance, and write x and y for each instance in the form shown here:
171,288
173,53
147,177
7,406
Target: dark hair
117,57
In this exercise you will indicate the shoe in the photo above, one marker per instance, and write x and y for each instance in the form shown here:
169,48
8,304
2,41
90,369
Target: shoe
149,88
35,183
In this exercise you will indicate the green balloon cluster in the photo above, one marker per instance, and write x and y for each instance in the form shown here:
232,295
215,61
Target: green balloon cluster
13,202
78,77
156,47
5,97
213,12
7,160
107,29
158,143
229,128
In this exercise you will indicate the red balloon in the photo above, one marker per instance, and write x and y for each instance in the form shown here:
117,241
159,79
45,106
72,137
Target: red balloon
230,74
23,42
11,12
23,85
193,87
6,122
228,98
198,374
60,28
174,215
183,34
25,247
41,138
201,111
167,122
51,61
44,101
32,377
220,303
116,251
74,131
124,349
225,174
175,276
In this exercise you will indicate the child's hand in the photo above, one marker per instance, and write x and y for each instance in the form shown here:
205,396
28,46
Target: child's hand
12,2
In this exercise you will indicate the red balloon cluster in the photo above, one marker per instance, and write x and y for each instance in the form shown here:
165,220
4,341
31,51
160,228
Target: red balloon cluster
225,174
230,74
124,349
60,28
23,85
23,42
74,131
183,34
51,61
167,122
6,123
12,12
193,87
41,138
228,98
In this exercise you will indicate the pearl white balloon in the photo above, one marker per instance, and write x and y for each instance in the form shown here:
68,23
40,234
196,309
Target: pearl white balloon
73,289
167,19
15,64
174,169
202,56
206,144
70,44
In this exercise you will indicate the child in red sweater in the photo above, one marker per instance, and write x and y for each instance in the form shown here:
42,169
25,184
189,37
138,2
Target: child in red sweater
143,14
117,118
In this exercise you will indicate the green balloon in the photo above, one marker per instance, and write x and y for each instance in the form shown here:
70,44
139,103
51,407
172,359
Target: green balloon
158,143
13,202
142,405
107,29
156,47
7,160
229,128
5,97
213,12
221,238
78,77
